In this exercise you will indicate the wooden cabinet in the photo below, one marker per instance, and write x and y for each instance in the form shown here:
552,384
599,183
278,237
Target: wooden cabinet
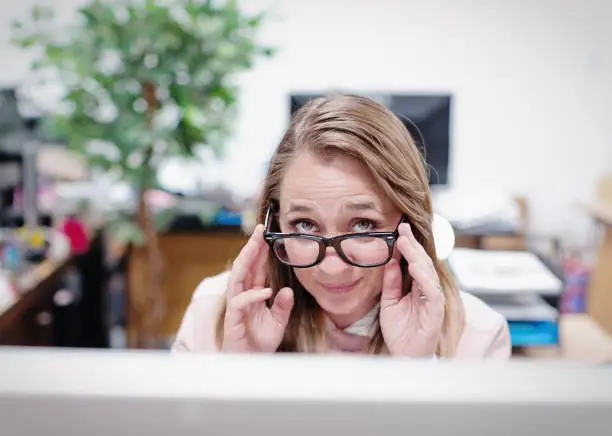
188,258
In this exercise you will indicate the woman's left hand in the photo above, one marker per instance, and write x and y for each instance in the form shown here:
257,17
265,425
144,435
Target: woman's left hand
411,324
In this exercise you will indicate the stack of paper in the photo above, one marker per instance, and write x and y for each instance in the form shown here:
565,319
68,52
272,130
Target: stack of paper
494,272
479,210
522,307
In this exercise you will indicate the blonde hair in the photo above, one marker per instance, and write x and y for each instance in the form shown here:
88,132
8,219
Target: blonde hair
362,129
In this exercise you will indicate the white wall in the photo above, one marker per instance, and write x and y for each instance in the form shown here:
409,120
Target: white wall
531,81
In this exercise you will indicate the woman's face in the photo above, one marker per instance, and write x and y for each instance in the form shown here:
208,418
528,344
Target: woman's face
332,197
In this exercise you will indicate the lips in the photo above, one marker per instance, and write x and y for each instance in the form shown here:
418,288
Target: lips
340,288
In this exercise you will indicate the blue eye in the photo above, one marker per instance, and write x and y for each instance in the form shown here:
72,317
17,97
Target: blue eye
304,226
364,225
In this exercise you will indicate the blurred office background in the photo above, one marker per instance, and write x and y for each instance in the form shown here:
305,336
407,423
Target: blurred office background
511,97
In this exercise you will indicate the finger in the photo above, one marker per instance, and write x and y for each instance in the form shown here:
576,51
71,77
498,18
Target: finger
392,284
281,308
260,271
405,229
406,249
425,283
410,248
239,305
244,263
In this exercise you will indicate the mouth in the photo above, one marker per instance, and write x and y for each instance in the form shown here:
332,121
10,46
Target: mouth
340,288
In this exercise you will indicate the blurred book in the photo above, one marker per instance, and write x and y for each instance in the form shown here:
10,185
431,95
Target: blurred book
498,271
522,307
534,333
478,211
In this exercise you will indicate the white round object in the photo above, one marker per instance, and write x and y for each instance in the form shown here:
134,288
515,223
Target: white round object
444,236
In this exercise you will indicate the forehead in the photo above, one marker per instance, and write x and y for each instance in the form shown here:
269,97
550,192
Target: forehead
329,180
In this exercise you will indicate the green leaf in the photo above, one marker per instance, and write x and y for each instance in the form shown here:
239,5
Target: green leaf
206,214
25,42
256,20
163,218
37,12
127,231
104,59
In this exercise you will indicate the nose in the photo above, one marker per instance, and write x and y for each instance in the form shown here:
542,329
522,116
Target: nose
332,263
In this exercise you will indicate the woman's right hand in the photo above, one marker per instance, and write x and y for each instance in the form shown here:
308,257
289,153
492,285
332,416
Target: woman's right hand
250,325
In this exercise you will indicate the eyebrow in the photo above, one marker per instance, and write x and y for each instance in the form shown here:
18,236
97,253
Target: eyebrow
361,205
296,207
351,205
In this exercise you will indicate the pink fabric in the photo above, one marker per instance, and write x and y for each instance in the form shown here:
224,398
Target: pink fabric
341,341
485,335
75,230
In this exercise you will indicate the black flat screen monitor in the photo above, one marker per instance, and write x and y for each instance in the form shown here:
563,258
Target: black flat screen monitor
427,118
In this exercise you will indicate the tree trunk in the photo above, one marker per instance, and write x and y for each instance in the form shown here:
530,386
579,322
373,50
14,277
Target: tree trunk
153,308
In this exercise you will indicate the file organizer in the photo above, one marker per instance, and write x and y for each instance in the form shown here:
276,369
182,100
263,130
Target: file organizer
518,284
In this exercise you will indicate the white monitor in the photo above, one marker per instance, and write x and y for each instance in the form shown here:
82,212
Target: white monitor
154,394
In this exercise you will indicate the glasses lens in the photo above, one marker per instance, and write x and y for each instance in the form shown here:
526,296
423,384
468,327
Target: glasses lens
296,251
365,250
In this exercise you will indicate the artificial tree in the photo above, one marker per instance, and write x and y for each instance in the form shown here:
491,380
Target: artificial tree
142,81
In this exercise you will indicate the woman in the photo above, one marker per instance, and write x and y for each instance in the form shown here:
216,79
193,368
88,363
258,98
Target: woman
343,259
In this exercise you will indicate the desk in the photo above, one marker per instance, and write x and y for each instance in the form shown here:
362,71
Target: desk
29,321
35,320
581,340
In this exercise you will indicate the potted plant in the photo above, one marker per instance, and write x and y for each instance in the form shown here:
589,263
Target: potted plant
143,81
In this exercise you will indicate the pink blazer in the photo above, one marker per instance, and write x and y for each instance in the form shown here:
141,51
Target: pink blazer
485,336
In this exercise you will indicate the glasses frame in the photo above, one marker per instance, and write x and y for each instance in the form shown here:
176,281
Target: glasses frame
389,237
